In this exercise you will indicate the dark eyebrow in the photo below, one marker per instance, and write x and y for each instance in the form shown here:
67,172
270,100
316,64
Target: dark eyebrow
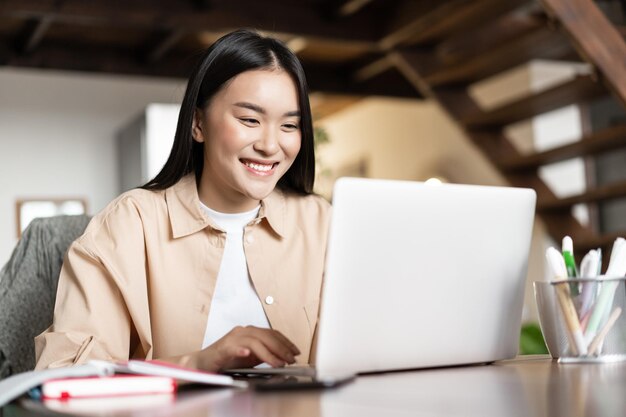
261,110
251,106
295,113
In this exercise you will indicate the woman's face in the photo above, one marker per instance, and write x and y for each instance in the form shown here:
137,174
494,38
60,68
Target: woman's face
251,134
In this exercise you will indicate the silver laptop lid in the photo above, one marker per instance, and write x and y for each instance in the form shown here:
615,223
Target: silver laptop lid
420,275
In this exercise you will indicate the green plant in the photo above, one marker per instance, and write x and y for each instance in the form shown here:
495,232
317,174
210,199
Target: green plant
531,340
320,136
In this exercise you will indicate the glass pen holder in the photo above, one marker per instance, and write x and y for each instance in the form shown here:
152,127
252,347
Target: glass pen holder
583,319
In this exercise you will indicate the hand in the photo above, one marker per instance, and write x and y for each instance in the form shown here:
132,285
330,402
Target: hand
245,347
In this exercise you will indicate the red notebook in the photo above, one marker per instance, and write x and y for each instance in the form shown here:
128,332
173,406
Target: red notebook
116,385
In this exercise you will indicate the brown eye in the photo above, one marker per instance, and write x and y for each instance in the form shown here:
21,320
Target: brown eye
249,122
290,126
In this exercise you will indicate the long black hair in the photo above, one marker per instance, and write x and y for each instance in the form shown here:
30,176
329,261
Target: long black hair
232,54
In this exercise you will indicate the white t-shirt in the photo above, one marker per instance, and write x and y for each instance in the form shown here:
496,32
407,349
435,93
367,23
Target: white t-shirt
235,301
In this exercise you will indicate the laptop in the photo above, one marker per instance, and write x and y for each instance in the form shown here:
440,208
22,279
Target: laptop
419,276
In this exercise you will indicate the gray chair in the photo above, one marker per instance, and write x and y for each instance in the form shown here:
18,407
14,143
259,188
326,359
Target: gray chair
28,284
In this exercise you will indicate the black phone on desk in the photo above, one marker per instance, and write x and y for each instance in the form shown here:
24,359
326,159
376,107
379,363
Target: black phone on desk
294,382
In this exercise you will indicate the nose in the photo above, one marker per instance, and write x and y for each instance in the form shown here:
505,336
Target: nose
268,142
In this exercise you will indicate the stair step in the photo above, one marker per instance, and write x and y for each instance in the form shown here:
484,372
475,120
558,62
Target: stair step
602,193
541,43
447,18
604,140
466,45
580,89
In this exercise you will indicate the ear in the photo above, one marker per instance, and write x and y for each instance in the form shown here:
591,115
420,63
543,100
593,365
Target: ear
196,126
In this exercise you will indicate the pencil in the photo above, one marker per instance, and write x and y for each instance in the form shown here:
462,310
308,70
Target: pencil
595,343
571,319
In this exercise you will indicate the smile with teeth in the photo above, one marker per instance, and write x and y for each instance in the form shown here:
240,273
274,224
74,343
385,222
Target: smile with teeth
258,166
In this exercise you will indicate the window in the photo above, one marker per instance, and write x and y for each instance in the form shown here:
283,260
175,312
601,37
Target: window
29,209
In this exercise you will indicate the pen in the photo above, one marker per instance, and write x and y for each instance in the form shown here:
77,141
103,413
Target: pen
556,262
585,319
571,319
567,249
595,344
617,268
588,269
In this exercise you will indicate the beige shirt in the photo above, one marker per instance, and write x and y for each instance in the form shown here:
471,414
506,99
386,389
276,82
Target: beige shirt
139,282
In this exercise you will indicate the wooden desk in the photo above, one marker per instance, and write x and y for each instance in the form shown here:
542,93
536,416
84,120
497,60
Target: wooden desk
531,386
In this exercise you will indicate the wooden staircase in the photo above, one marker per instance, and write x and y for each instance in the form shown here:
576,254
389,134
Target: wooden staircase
459,43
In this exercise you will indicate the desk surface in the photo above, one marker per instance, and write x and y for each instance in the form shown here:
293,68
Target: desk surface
529,386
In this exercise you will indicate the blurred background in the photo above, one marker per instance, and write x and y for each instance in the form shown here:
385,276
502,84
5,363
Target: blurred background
492,92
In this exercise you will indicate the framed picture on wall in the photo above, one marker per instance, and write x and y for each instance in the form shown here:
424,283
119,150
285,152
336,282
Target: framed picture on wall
28,209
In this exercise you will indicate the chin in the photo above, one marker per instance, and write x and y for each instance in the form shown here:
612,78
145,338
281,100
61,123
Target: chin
260,194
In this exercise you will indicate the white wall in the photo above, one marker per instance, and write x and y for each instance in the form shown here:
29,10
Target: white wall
57,135
161,121
404,139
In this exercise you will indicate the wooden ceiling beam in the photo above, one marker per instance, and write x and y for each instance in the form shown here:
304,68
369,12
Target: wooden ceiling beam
595,37
291,18
542,43
34,34
202,4
328,79
339,10
501,31
416,17
323,78
350,7
101,60
373,69
446,18
166,43
424,22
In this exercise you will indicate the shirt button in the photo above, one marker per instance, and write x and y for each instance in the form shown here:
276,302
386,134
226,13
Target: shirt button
249,239
269,300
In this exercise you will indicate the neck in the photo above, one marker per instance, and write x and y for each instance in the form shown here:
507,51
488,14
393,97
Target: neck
221,201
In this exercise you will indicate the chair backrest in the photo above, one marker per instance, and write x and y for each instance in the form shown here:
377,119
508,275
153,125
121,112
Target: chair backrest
28,284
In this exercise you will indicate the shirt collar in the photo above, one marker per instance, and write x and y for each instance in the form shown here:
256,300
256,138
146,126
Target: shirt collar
186,215
274,211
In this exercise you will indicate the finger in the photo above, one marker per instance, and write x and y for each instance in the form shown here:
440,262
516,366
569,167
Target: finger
239,351
275,344
261,351
294,349
228,354
276,335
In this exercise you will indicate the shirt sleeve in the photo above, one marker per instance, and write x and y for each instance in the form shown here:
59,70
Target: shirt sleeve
90,318
102,279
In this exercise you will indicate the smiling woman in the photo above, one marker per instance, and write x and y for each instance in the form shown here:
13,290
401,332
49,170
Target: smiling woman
217,262
251,135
